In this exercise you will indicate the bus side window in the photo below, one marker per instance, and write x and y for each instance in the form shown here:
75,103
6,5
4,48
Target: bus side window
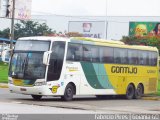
124,56
106,54
90,53
117,56
153,58
133,57
70,55
143,58
95,54
74,52
87,53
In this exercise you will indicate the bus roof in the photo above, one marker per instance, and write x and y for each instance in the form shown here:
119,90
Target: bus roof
92,41
98,40
111,43
45,38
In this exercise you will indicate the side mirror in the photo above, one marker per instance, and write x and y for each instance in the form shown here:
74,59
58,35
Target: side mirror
45,57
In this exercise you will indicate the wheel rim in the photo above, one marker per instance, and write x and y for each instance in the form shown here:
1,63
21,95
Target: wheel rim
130,91
139,90
69,92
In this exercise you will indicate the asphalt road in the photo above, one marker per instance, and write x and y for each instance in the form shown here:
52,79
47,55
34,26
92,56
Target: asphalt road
17,103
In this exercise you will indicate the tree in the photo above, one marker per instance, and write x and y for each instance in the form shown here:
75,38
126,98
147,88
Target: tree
26,29
147,40
74,34
31,28
5,33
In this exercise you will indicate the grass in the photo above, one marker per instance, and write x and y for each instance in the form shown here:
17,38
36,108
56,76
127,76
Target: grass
3,72
158,88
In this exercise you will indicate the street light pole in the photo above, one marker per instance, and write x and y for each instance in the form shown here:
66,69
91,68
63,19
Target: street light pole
106,23
12,26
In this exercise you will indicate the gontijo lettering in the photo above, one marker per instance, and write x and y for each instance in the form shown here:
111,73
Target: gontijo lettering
119,69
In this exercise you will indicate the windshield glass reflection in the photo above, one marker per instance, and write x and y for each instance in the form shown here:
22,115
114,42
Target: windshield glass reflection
27,66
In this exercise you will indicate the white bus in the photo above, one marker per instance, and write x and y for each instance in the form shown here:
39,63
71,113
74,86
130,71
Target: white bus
54,66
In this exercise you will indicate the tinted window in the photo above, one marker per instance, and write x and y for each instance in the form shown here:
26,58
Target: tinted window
90,53
106,54
143,57
120,56
74,52
153,58
133,57
56,61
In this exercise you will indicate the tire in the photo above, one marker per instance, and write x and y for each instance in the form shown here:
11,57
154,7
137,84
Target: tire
68,94
36,97
130,92
138,92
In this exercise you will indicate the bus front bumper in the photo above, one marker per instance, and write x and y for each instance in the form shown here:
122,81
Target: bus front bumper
34,90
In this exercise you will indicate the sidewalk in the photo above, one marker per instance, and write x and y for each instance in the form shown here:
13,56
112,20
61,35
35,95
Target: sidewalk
3,85
151,97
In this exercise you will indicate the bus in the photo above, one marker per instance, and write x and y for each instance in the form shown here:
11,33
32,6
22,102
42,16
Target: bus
64,67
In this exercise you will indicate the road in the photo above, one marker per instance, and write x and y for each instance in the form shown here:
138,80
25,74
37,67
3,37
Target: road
22,104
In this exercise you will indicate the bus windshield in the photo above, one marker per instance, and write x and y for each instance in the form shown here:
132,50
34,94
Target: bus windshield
27,60
27,66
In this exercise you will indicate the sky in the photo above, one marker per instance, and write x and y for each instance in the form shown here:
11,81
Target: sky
97,7
93,8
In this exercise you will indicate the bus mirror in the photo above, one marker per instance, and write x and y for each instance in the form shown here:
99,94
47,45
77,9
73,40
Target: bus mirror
45,57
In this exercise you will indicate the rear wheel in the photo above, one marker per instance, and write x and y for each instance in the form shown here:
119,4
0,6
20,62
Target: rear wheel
68,94
130,91
36,97
139,91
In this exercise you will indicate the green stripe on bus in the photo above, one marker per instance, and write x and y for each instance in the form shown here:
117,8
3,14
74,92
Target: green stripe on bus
103,77
91,76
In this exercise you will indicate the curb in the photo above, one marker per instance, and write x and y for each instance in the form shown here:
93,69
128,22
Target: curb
3,85
151,98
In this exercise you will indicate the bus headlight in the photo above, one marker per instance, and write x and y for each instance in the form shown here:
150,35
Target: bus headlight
40,83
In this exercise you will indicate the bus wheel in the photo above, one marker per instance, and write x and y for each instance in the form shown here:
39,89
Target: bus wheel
36,97
68,94
139,91
130,91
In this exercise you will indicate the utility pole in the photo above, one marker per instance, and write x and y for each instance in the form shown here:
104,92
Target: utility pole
12,26
106,23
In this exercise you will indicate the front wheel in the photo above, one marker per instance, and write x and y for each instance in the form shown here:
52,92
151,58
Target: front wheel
36,97
130,91
68,94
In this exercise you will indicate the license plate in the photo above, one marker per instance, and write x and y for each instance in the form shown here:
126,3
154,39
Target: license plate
23,89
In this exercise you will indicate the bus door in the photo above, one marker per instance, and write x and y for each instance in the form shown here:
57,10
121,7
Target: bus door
56,61
73,65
